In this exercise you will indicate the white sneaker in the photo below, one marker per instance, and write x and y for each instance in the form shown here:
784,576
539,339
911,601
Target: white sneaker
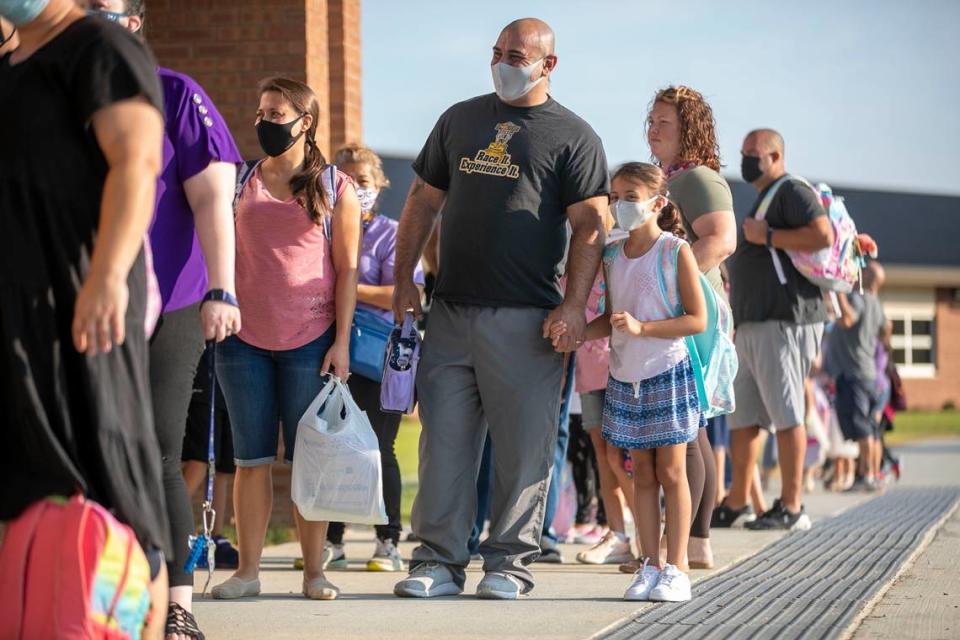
673,586
385,558
644,580
610,550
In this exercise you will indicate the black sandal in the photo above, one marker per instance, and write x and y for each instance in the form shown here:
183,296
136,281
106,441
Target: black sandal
180,621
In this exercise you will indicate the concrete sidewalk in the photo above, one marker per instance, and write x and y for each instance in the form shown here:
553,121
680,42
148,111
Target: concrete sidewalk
570,600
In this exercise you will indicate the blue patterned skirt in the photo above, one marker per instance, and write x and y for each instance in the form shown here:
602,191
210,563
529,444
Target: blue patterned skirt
656,412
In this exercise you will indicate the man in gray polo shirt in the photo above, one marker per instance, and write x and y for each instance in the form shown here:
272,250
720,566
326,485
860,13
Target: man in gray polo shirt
510,170
779,328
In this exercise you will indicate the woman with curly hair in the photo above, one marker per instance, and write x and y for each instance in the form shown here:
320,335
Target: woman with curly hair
682,136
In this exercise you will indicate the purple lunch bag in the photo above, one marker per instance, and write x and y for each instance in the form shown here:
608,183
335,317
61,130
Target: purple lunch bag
398,393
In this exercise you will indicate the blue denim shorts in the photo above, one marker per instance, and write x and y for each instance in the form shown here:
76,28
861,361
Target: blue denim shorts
265,390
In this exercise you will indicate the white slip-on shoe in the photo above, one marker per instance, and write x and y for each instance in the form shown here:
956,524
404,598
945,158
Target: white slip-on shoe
235,587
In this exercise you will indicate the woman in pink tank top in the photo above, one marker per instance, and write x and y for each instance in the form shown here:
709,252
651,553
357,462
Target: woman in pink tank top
298,242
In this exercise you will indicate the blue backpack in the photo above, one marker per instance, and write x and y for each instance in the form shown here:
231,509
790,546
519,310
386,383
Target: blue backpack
712,352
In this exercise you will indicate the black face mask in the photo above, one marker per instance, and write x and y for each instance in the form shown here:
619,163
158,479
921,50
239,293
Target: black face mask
276,138
750,168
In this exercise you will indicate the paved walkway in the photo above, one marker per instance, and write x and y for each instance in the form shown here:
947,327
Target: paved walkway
570,601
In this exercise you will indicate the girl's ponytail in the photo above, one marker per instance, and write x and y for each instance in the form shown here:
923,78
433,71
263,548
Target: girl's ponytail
671,220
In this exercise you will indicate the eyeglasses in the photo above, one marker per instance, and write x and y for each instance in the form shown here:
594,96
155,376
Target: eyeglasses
112,16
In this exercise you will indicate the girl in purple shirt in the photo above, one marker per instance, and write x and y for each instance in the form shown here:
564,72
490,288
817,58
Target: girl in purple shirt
374,293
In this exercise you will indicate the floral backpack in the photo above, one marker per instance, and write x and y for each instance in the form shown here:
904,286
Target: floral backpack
712,352
836,268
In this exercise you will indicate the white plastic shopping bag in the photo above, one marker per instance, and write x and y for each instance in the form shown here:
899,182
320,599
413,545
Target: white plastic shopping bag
336,461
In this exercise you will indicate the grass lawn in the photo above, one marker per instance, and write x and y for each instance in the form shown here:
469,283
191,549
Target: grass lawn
919,425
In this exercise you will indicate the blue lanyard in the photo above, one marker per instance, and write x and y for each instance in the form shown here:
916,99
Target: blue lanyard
202,547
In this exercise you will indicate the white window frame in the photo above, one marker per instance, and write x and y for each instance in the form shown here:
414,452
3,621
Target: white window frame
908,342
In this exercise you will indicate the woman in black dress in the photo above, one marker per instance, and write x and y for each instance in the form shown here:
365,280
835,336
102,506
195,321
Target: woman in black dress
80,125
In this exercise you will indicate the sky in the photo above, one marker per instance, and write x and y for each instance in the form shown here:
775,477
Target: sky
865,92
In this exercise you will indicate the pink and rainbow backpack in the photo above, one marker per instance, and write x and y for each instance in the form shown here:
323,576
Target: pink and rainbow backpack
836,268
69,570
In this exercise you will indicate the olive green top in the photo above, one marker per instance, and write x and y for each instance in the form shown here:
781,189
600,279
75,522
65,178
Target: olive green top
699,191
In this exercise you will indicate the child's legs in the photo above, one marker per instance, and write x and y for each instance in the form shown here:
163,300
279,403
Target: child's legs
646,512
609,488
672,476
626,484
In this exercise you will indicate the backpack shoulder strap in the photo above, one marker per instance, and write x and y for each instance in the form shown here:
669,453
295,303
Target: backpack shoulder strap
332,198
610,252
244,173
768,198
667,260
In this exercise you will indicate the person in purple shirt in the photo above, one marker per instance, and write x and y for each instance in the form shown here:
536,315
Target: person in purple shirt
374,293
192,239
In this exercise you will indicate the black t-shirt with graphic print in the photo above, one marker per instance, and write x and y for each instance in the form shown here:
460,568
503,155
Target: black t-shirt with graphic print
510,173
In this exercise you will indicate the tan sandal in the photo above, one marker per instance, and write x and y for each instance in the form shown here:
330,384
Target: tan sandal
320,589
235,587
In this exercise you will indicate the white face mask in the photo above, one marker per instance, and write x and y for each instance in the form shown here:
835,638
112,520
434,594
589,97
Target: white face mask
512,83
367,197
630,215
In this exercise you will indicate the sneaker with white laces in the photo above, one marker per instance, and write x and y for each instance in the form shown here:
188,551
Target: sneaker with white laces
428,580
673,586
644,580
497,585
385,557
612,549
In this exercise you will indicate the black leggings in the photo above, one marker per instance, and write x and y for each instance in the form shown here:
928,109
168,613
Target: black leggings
175,349
586,477
702,476
366,393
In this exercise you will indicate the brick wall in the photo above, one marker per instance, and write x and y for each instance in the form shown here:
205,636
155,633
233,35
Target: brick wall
934,392
345,73
229,46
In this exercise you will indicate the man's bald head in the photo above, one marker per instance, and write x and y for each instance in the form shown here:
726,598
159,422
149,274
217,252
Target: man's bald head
769,140
535,33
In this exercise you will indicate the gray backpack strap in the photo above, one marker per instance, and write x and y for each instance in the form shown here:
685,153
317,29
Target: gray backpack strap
244,173
332,198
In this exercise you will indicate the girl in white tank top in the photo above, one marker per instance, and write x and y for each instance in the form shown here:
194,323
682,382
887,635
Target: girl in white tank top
651,406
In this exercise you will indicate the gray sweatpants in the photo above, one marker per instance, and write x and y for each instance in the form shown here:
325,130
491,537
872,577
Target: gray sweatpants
485,368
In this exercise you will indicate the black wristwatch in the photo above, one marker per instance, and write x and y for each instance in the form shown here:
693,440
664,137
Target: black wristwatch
769,237
220,295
